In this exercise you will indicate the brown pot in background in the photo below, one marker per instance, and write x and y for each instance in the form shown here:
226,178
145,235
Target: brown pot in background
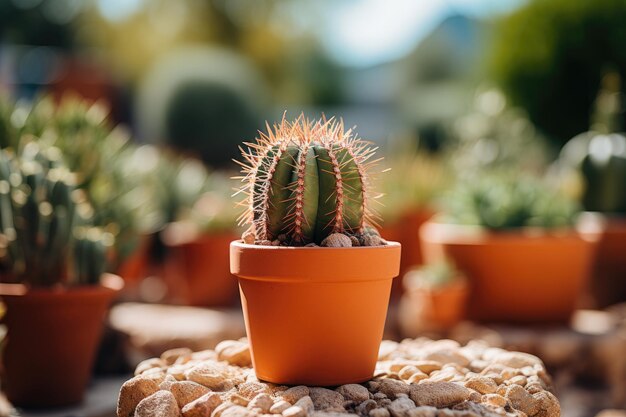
197,271
405,230
524,276
51,341
424,309
609,272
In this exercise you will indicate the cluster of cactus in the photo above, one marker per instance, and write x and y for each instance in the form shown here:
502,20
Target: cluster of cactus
599,156
500,201
46,237
306,180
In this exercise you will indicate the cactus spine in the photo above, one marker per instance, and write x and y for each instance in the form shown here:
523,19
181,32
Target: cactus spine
306,180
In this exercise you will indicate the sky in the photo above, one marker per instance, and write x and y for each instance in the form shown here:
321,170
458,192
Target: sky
362,33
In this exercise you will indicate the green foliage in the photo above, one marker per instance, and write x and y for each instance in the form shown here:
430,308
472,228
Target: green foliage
550,55
41,213
505,201
436,275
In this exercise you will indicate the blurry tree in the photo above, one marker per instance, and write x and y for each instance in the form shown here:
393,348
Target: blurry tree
550,55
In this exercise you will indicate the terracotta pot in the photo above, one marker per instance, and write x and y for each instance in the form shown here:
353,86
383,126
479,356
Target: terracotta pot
435,309
314,316
135,268
51,341
609,271
405,230
197,271
521,276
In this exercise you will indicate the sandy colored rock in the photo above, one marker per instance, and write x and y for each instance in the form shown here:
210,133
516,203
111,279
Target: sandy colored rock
354,392
379,412
337,240
160,404
521,400
149,364
482,384
132,392
302,407
365,407
438,394
237,411
390,387
293,394
187,391
202,406
211,375
400,406
261,403
279,407
234,352
548,404
326,399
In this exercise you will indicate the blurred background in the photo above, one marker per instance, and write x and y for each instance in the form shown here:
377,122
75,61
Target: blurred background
499,119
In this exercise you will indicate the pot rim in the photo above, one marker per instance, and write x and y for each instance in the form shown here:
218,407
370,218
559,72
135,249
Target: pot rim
314,264
441,232
109,283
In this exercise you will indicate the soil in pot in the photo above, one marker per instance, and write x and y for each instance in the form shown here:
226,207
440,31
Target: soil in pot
51,341
520,276
314,315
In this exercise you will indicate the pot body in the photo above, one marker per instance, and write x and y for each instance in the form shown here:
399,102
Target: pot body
405,230
521,276
197,272
314,316
609,271
51,342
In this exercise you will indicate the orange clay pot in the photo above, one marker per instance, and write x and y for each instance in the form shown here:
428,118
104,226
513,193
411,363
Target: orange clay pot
437,308
314,316
609,271
197,271
523,276
51,341
405,230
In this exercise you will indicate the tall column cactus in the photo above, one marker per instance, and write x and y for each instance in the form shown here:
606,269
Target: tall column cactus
305,181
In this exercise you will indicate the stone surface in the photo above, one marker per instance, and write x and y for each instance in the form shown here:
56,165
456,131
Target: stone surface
414,378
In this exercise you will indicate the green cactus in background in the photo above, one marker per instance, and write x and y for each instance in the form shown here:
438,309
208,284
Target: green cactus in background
307,180
599,156
40,211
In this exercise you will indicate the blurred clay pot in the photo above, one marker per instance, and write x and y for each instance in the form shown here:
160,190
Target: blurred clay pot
196,268
516,276
609,271
405,230
433,309
314,315
52,337
134,268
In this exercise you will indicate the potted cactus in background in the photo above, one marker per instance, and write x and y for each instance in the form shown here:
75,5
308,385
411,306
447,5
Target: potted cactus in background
596,160
200,219
52,278
434,299
314,275
515,239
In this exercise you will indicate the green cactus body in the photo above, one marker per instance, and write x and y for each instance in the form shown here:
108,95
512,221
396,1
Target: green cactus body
306,180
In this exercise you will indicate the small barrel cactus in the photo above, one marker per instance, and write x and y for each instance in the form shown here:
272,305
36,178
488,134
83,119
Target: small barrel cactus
307,182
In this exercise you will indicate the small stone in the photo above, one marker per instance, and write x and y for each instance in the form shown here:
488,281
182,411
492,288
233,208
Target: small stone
302,407
252,389
365,407
522,400
400,406
208,374
438,394
355,241
160,404
548,404
354,392
482,384
262,402
373,240
279,407
390,387
202,406
379,412
187,391
326,399
149,364
167,382
293,394
234,352
516,359
248,237
133,392
170,356
337,240
237,411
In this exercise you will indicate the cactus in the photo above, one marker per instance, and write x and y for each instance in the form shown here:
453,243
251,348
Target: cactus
40,210
306,180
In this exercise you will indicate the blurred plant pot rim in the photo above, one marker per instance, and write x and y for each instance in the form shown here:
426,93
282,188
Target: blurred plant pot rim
185,232
107,280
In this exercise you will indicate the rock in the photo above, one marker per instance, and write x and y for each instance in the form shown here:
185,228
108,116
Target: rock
171,356
187,391
354,392
516,359
237,411
211,375
293,394
365,407
496,400
261,403
379,412
438,394
390,387
279,407
400,406
373,240
482,384
337,240
325,399
234,352
302,407
521,400
252,389
133,392
202,406
149,364
160,404
548,404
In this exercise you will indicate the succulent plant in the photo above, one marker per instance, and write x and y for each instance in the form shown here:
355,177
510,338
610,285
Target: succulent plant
305,181
501,201
598,157
40,213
